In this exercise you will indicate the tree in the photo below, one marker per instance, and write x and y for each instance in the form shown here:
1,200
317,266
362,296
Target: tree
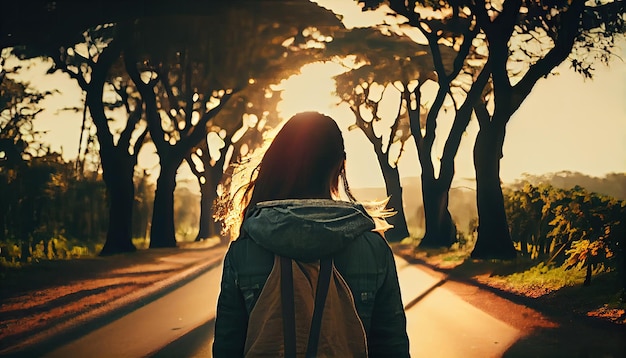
450,60
94,64
96,31
231,140
525,41
22,183
363,90
193,65
361,100
539,36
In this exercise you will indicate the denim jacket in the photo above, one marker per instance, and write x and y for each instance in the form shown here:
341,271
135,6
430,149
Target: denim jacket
307,230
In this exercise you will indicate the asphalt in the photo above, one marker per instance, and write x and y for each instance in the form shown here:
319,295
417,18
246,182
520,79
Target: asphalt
189,265
169,318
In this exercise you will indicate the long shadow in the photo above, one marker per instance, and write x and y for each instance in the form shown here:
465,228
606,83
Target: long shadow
75,331
571,340
196,343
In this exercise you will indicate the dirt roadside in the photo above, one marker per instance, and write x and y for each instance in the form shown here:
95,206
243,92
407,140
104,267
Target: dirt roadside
554,325
41,301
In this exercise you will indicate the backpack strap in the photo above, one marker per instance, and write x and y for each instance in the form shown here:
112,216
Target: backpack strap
289,314
288,309
323,281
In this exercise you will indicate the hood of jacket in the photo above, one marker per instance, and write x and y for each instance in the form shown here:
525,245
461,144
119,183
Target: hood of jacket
306,229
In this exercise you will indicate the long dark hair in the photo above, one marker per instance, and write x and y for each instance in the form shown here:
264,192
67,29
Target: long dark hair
304,161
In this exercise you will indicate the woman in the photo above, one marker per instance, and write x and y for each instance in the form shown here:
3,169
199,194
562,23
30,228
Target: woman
292,212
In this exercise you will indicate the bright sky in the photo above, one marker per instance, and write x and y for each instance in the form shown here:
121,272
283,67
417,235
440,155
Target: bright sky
566,123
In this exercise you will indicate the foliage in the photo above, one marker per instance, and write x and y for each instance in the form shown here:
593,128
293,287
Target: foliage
612,184
19,105
569,227
49,212
43,201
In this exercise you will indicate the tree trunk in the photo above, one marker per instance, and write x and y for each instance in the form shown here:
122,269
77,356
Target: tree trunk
24,251
118,176
622,274
162,232
207,227
213,175
494,239
394,192
117,164
440,228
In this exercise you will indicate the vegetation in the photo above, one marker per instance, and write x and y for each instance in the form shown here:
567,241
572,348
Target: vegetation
168,72
48,213
565,238
572,228
504,49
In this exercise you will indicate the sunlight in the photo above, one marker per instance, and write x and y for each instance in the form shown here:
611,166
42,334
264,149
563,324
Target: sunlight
311,90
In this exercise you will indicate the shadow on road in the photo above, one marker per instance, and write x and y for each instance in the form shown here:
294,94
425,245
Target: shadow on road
570,341
197,343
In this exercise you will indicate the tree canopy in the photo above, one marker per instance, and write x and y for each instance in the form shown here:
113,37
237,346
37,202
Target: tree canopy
172,65
523,41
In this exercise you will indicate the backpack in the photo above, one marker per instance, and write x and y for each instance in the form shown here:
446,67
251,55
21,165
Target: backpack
320,316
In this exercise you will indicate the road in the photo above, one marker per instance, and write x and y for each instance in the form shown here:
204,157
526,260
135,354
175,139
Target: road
180,324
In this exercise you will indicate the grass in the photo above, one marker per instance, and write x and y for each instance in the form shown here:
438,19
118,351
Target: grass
547,277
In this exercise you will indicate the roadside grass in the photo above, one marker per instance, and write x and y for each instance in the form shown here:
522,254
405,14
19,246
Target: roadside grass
545,285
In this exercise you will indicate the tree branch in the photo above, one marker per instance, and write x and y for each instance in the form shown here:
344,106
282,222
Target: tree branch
200,129
567,35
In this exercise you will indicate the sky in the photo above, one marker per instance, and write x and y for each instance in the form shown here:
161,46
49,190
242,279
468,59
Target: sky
566,123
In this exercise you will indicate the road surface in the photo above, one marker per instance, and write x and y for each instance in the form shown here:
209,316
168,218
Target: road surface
180,324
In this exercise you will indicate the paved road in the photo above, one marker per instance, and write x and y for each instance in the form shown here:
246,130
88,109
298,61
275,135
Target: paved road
151,327
440,324
180,324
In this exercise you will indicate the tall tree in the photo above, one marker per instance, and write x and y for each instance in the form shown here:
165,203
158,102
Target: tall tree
365,106
255,107
363,90
448,59
191,66
94,64
540,36
525,40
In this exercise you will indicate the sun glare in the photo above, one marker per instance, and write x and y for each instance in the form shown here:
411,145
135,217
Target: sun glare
310,90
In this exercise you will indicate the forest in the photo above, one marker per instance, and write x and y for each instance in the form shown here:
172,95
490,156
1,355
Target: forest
198,82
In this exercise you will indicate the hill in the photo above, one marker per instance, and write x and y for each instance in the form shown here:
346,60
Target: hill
462,202
612,184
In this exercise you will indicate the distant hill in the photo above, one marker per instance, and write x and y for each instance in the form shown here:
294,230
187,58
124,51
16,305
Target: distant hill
613,184
462,204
